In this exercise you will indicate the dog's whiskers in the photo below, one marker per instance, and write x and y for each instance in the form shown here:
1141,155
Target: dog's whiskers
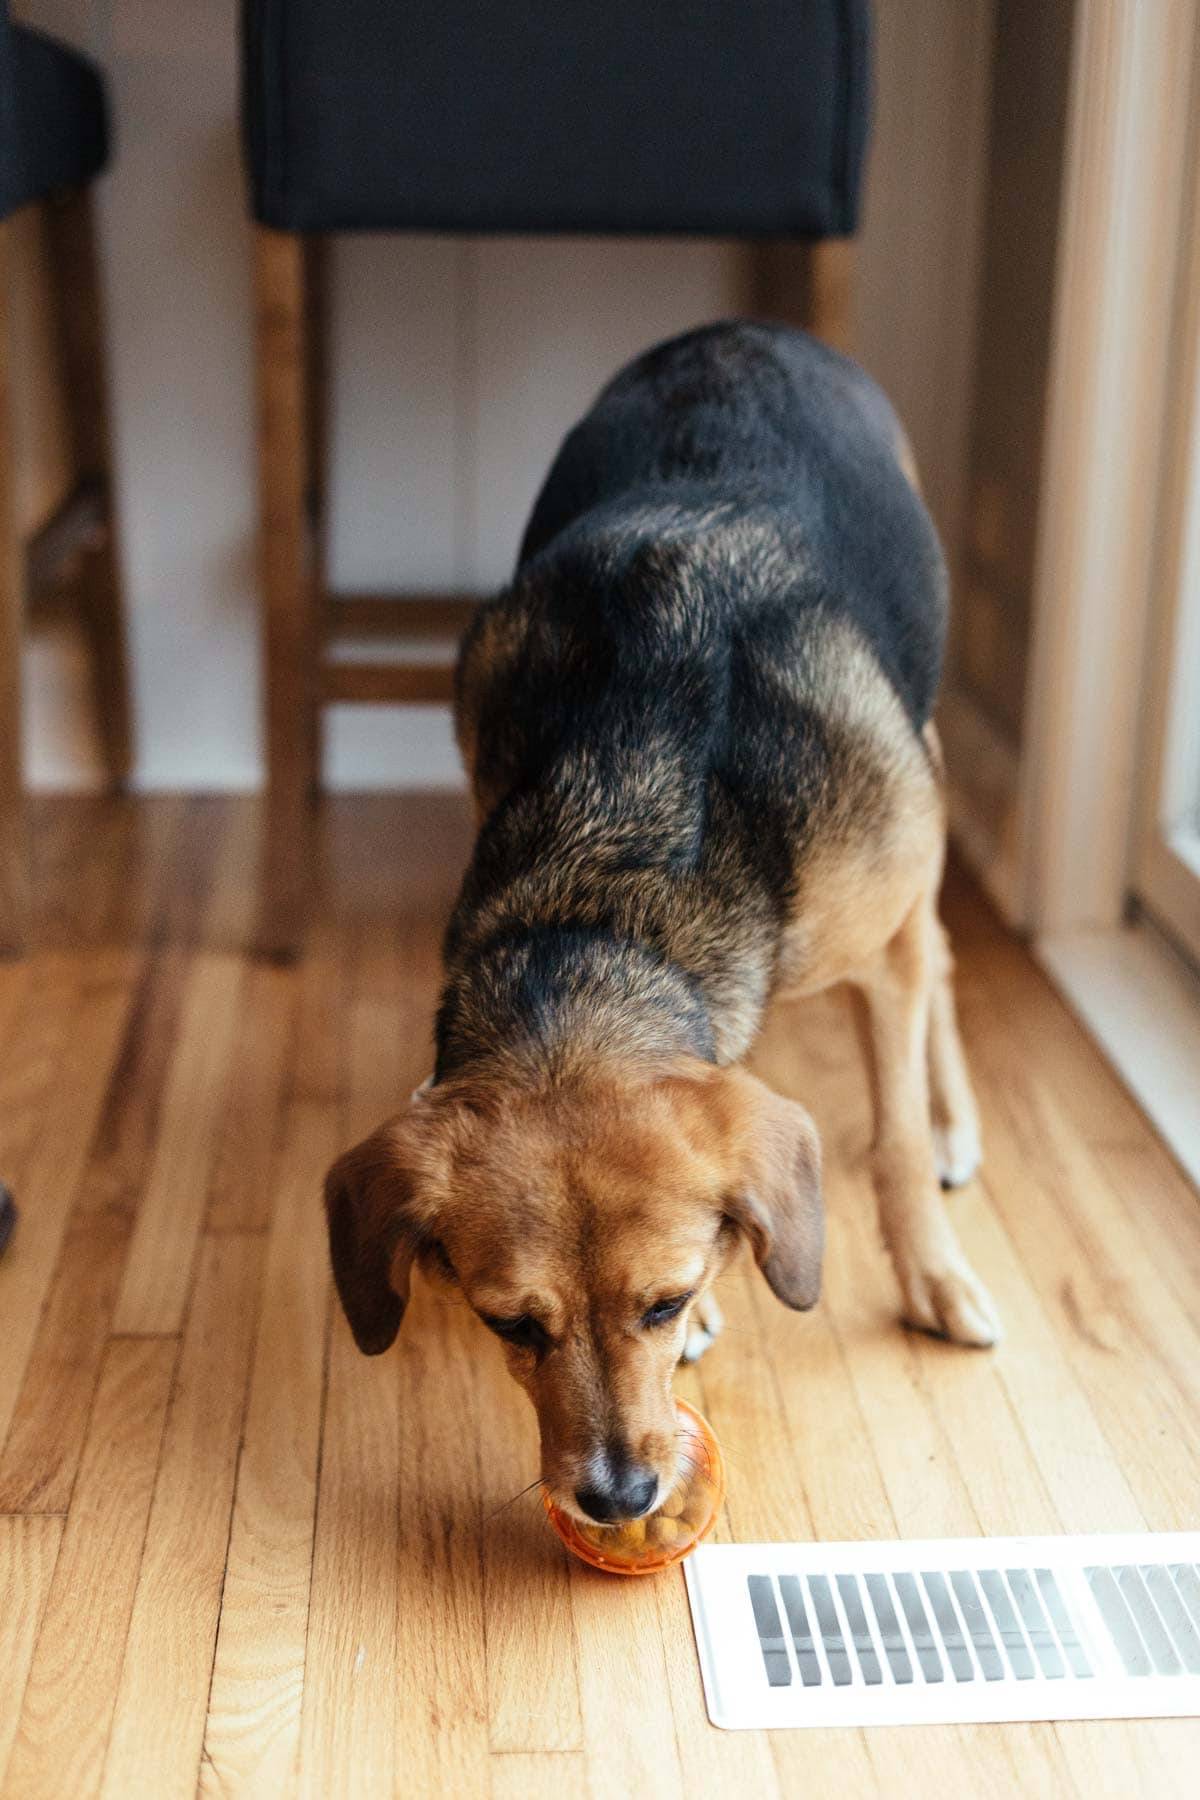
520,1494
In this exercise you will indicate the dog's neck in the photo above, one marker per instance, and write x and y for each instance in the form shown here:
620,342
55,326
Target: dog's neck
545,1000
564,943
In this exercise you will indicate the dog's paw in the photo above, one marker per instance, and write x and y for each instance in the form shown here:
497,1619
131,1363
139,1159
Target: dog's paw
953,1303
704,1327
958,1152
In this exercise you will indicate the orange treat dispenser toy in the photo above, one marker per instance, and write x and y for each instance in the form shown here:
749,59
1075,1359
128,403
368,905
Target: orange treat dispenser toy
672,1531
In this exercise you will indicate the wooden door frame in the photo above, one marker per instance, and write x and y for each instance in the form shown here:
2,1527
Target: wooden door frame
1109,405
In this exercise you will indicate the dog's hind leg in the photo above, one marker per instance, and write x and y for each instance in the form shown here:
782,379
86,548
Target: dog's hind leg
705,1324
941,1292
953,1111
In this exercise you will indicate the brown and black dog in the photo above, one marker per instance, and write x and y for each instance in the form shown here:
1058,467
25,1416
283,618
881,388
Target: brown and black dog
697,726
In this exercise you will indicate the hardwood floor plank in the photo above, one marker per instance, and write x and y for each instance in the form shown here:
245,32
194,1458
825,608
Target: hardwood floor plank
347,1727
28,1550
47,1179
15,982
240,1191
348,1730
154,1288
40,1458
441,1747
31,1053
532,1682
72,1687
548,1775
252,1738
172,1631
623,1678
1122,1330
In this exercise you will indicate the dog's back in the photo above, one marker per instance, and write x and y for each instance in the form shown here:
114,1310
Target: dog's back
721,643
741,424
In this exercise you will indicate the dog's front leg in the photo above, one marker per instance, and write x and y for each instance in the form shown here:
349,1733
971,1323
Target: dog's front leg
940,1290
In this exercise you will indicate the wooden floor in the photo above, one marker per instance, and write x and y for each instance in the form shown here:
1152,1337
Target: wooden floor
236,1556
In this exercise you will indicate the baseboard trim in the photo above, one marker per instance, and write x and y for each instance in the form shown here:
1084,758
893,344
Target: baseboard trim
1142,1005
983,785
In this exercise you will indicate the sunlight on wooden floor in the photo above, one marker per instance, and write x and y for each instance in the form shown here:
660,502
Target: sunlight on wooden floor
235,1553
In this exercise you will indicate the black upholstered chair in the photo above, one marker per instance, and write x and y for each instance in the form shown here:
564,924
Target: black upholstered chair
617,116
53,142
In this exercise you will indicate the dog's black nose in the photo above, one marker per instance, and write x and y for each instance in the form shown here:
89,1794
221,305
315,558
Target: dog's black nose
625,1491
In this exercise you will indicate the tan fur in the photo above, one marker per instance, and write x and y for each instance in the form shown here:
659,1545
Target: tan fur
880,831
583,1206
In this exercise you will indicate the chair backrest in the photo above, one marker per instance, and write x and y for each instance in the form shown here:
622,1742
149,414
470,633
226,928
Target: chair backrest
713,116
53,116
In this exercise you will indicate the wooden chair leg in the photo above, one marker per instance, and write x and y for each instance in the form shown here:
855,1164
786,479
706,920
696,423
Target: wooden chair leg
316,358
288,635
81,337
807,284
14,875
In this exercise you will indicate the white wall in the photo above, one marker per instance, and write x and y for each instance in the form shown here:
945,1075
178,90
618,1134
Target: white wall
457,365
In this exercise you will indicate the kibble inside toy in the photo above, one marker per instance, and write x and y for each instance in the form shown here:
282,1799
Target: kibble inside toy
672,1531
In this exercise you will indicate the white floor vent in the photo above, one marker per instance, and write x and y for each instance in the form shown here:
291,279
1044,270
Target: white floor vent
948,1630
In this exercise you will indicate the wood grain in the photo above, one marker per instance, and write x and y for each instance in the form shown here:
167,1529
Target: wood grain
240,1192
286,579
297,1575
157,1276
41,1455
173,1627
14,881
28,1549
253,1732
45,1182
72,1688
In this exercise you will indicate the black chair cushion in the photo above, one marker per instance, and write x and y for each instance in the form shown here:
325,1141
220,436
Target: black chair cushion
53,120
725,117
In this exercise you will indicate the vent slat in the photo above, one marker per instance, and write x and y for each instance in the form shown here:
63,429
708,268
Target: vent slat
821,1596
807,1660
894,1647
860,1631
1120,1621
1165,1594
1150,1626
961,1666
1021,1586
770,1631
1063,1625
1011,1635
990,1660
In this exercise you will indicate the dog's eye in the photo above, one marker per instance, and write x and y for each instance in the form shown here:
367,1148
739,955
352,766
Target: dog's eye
525,1332
663,1311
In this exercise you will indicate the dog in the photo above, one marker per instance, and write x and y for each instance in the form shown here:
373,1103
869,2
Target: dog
697,727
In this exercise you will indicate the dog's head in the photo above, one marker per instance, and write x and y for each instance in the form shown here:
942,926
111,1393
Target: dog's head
581,1222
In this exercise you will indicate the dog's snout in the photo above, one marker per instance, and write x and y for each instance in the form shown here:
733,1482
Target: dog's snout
617,1489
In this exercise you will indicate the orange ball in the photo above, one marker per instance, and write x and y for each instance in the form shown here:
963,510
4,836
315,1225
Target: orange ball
672,1531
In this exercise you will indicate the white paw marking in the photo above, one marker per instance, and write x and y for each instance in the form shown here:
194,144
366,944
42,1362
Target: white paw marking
699,1338
704,1328
958,1152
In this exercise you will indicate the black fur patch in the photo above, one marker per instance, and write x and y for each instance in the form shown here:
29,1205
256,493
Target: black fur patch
654,732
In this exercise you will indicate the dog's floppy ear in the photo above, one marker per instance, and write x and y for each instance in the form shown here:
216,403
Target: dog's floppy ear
371,1207
776,1200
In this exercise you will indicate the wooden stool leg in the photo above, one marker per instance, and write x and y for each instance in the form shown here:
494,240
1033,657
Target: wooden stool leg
14,876
806,284
82,347
289,672
316,358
